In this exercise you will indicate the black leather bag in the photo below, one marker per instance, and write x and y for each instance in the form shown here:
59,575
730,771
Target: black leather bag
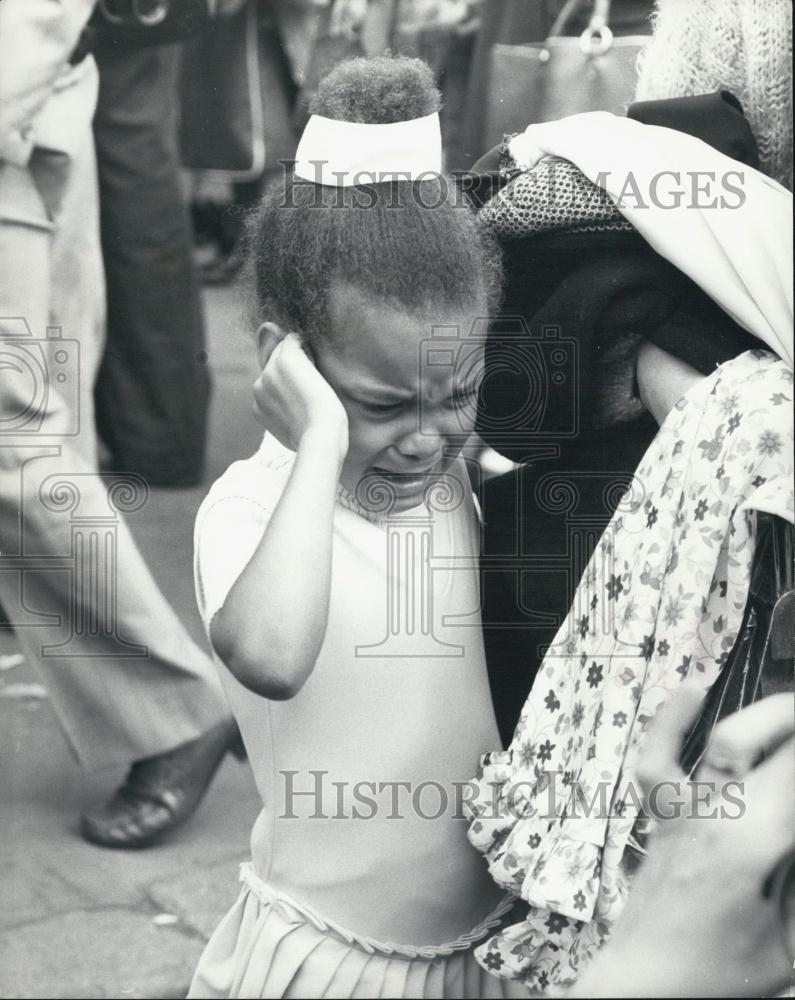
149,22
761,660
761,663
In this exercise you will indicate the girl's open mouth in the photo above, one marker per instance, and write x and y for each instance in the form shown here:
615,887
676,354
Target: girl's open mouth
405,483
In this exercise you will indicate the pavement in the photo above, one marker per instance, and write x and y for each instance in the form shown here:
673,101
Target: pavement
77,920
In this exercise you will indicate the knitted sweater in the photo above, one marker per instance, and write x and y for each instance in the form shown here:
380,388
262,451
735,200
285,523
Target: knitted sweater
744,46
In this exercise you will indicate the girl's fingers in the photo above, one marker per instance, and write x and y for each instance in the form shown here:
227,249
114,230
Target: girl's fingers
282,349
270,337
258,390
291,350
660,758
741,739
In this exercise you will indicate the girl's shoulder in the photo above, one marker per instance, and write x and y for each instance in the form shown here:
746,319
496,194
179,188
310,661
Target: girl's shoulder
231,520
259,479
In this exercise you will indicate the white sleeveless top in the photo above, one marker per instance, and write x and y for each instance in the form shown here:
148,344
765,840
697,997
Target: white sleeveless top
362,774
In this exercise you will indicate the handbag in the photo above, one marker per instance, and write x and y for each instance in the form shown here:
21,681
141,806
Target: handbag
761,663
149,22
562,76
236,97
761,660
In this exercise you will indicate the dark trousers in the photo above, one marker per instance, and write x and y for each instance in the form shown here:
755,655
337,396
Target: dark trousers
152,391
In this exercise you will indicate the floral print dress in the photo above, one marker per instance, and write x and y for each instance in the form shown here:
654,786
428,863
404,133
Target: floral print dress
662,599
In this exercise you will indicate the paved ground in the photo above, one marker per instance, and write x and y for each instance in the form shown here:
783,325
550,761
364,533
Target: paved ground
76,920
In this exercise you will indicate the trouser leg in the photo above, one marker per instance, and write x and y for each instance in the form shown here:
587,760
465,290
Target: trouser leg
124,678
153,387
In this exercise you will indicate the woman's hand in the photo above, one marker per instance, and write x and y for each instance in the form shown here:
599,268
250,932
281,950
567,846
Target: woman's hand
699,921
293,400
662,379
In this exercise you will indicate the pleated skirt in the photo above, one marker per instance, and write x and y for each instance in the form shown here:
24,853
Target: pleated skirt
268,945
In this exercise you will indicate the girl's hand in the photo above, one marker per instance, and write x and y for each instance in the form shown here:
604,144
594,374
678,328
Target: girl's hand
293,400
272,625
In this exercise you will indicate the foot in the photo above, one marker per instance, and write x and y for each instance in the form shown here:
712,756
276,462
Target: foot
161,792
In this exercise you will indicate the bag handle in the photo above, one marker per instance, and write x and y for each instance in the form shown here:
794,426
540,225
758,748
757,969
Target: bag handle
600,16
566,13
597,24
597,37
146,15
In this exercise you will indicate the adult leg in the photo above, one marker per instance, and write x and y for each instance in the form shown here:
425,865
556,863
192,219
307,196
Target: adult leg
152,391
125,680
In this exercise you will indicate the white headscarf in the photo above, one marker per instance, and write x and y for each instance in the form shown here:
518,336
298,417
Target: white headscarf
740,254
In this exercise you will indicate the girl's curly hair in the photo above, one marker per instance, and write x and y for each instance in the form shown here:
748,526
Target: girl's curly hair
412,244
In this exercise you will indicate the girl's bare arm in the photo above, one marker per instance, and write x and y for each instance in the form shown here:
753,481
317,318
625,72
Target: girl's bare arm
273,622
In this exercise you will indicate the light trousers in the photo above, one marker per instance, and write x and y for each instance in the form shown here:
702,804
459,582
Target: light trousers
124,678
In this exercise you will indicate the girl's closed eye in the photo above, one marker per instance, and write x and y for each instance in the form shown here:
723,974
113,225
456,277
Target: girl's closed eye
464,397
380,408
